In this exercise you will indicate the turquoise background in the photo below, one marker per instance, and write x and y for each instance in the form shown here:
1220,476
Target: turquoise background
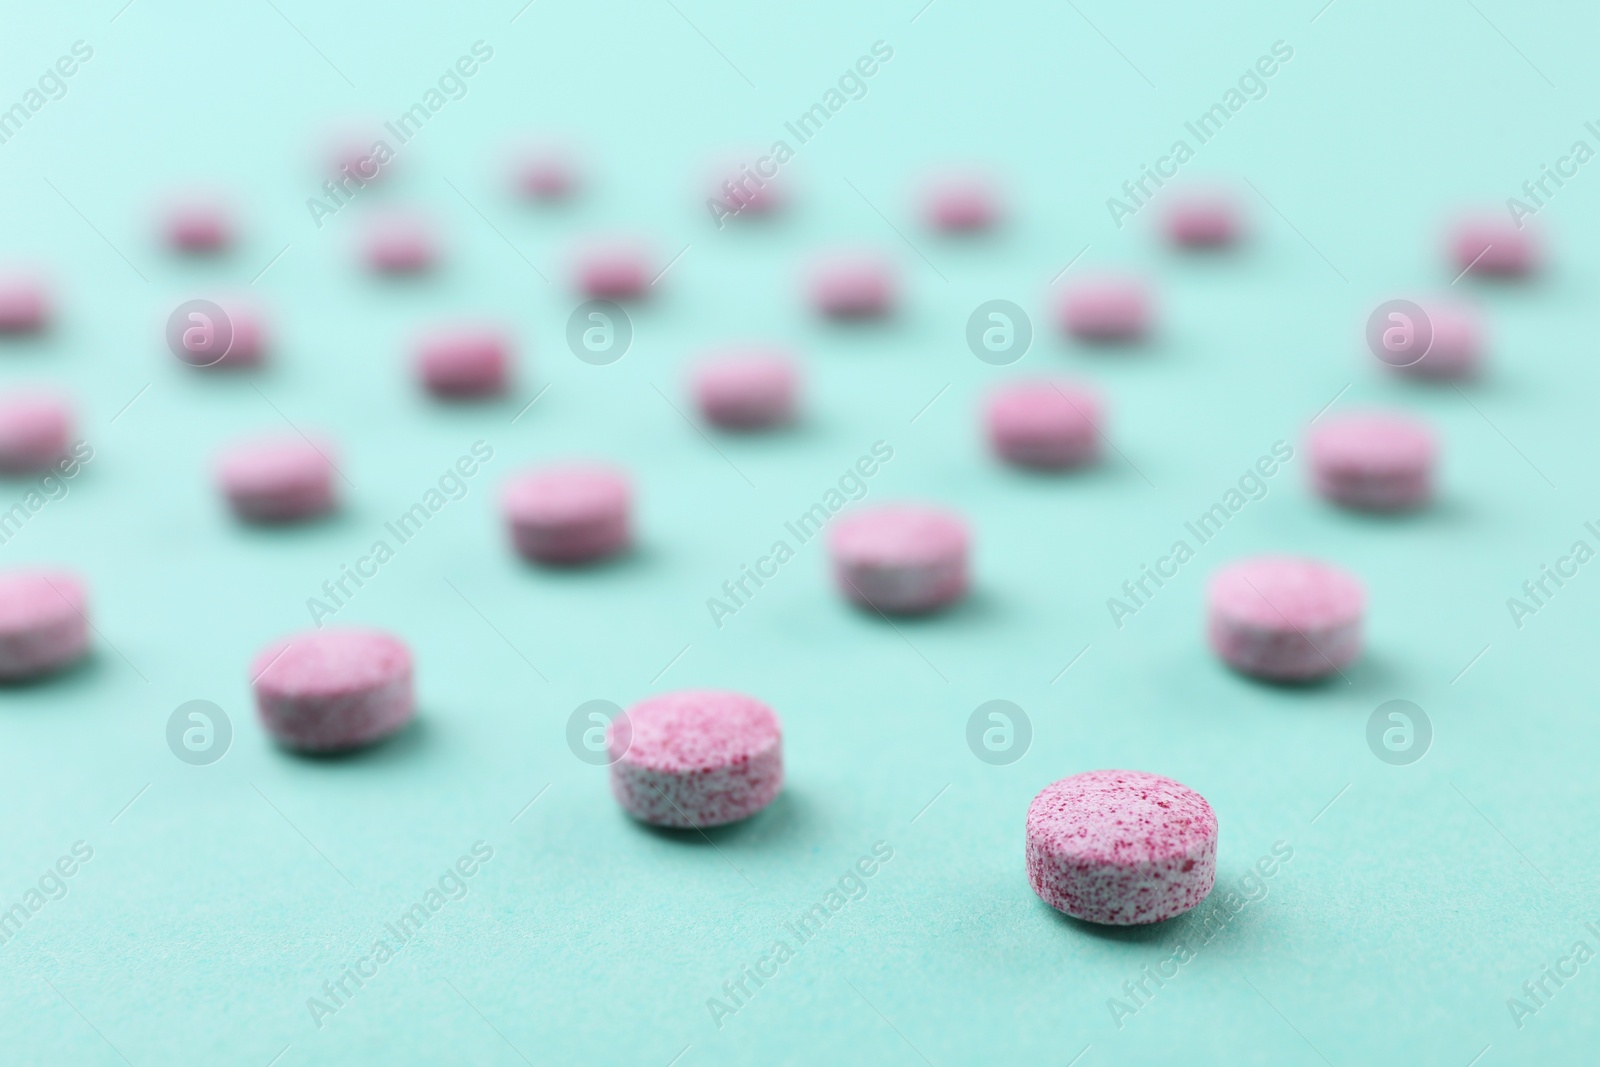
223,897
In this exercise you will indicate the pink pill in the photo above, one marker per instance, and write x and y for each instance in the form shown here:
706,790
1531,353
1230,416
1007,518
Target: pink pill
740,189
1045,424
333,690
852,285
569,514
613,270
747,391
1493,245
358,156
900,559
1202,219
696,759
277,479
961,202
198,225
400,243
544,172
24,303
44,622
238,342
35,432
1285,618
1456,349
1373,461
1105,308
1121,848
465,361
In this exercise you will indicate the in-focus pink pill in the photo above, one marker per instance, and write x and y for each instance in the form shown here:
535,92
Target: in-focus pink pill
961,202
1285,618
198,224
900,559
852,285
747,390
1456,349
695,759
44,622
333,690
1202,219
1373,461
1045,424
1121,848
472,360
613,270
569,514
1492,244
35,432
24,302
400,243
1105,308
277,479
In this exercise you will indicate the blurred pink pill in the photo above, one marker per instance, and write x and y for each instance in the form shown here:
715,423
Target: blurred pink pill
1285,618
333,690
961,202
1373,461
746,391
234,340
1105,308
1202,219
613,270
1121,847
900,559
696,759
44,622
198,225
543,173
278,479
400,244
464,361
1456,348
24,303
1493,245
568,515
741,190
1045,424
35,432
853,285
358,157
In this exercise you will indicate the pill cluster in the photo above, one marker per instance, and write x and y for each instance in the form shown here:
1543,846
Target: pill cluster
1111,846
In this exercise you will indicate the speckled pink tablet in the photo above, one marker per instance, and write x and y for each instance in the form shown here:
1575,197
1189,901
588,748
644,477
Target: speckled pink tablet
1121,848
1374,461
1284,618
1492,244
24,302
1104,308
35,431
277,479
470,360
1202,219
198,225
543,172
900,559
333,690
696,759
1045,424
746,390
44,622
961,202
852,285
613,270
400,243
568,514
1456,349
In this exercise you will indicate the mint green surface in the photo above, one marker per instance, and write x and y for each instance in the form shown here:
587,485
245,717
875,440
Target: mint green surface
221,899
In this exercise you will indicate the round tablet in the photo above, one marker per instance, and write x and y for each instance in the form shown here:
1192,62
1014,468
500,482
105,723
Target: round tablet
746,391
569,514
277,479
1493,245
24,303
333,690
1373,461
1121,848
1456,348
852,286
613,270
698,758
198,225
1202,219
900,559
1045,424
399,243
739,189
239,342
464,361
44,622
358,155
1285,618
960,202
35,432
543,172
1105,308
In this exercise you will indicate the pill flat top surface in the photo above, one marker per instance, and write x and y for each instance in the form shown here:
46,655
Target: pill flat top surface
559,495
274,463
1372,443
899,534
1123,818
698,730
329,663
32,599
1283,592
1045,406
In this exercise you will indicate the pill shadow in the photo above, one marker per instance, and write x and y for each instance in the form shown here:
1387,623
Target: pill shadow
978,606
1373,673
85,672
637,557
405,745
1143,934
